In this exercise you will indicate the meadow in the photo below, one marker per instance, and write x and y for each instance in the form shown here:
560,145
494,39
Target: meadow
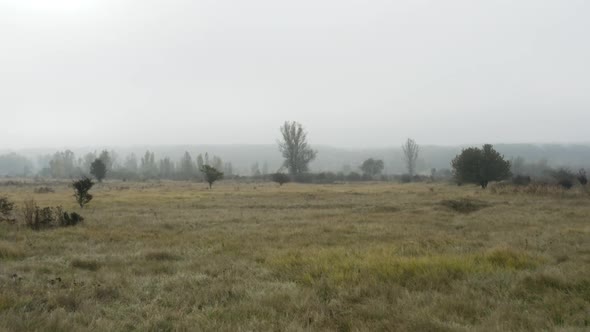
174,256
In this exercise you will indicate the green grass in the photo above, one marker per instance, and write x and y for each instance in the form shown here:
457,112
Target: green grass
255,257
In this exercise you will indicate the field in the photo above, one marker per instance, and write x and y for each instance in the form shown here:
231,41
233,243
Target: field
257,257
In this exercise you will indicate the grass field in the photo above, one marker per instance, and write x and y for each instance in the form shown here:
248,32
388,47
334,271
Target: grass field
255,257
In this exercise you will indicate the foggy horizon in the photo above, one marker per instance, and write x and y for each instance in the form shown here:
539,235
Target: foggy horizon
357,75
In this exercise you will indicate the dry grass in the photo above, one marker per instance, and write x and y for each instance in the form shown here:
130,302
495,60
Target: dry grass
364,257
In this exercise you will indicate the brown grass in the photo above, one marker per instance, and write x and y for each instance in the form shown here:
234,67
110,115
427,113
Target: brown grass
167,256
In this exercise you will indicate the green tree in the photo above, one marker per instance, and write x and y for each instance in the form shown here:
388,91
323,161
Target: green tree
372,167
81,191
211,174
295,149
99,169
480,166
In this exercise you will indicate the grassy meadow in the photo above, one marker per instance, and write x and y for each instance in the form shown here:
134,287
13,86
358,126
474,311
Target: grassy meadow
173,256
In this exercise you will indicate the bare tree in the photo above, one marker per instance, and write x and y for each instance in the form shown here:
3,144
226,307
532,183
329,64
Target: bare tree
411,150
297,153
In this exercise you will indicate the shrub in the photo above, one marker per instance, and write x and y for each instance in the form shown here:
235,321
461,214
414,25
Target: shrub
564,177
38,218
353,176
211,174
280,178
6,208
521,180
81,191
582,177
65,219
405,178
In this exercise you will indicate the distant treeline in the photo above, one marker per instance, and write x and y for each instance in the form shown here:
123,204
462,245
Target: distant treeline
259,160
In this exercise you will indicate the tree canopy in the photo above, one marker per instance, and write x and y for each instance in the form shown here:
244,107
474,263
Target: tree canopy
295,149
372,167
98,169
211,174
480,166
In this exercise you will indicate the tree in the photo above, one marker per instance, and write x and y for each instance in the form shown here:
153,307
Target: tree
480,166
372,167
187,166
81,190
107,159
582,177
99,169
411,150
280,178
295,149
211,174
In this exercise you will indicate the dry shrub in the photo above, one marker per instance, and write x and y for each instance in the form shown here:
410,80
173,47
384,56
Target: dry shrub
6,208
38,218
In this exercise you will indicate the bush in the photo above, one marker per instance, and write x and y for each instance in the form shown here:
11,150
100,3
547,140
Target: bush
81,191
38,218
6,208
564,177
280,178
582,177
353,176
521,180
405,178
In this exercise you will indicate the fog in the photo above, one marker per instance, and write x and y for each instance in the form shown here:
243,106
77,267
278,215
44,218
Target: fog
357,74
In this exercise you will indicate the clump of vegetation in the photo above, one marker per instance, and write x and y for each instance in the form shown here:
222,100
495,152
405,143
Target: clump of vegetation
44,190
65,219
582,177
521,180
372,167
6,208
564,177
480,166
280,178
211,174
81,191
99,169
37,218
464,205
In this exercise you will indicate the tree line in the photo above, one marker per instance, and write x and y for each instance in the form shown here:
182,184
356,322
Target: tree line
472,165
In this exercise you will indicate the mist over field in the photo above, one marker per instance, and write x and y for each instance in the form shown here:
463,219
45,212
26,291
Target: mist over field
260,165
330,159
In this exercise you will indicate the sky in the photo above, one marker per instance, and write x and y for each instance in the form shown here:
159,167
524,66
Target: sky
354,73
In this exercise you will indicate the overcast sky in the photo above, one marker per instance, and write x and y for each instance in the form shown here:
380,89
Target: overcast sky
355,73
